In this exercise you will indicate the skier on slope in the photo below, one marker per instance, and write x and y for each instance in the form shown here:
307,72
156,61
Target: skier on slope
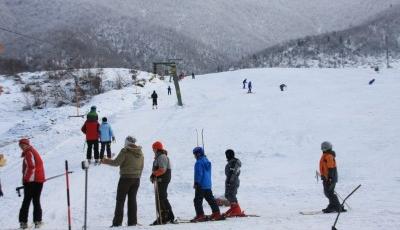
106,136
202,186
161,175
91,128
232,183
249,86
2,163
33,179
154,96
329,177
193,77
130,160
244,83
169,90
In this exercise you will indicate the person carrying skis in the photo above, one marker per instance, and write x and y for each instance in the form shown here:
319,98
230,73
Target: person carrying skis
244,83
131,161
202,186
106,135
169,90
2,163
154,96
232,182
33,179
91,128
329,177
161,176
249,86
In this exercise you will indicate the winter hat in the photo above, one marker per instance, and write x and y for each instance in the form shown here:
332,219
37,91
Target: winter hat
198,151
325,146
129,140
230,154
24,141
104,119
93,108
158,145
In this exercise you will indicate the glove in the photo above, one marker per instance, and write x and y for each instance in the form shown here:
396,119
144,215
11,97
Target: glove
113,139
196,185
152,178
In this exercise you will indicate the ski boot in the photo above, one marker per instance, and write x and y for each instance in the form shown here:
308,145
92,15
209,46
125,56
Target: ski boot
217,216
23,225
234,211
38,224
199,218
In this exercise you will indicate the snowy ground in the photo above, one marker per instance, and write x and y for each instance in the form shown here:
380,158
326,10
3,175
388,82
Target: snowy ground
276,134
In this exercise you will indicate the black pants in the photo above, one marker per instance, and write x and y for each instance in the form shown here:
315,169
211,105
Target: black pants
169,92
231,191
329,191
126,187
90,145
154,102
166,209
207,194
104,145
32,191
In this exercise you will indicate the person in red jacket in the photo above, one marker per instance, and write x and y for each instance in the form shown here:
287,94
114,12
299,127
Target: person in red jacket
33,179
92,130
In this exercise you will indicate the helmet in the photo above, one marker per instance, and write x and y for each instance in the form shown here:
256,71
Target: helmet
198,151
326,145
158,145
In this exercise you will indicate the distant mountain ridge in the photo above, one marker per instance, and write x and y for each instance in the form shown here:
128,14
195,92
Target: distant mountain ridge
208,35
366,44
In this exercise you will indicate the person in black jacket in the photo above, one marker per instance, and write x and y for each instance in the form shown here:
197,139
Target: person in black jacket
154,96
232,183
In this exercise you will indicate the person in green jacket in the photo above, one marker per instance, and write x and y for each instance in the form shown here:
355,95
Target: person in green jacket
130,160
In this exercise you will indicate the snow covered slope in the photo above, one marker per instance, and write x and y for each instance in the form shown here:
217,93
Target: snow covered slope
276,134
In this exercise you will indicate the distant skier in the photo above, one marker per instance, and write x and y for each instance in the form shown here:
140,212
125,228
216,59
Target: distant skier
193,76
169,90
92,115
202,186
154,96
282,87
33,179
372,81
2,164
161,175
106,136
244,83
91,128
329,177
232,183
130,161
249,86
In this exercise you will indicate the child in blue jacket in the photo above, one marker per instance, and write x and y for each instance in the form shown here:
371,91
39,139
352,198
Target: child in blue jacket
106,135
202,186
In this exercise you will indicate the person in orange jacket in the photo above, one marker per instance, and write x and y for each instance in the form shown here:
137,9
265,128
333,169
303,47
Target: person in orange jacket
329,177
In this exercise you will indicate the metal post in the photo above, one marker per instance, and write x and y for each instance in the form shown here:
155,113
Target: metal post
68,199
176,83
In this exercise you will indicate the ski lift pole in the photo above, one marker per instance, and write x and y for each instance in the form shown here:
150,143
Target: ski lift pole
68,198
337,217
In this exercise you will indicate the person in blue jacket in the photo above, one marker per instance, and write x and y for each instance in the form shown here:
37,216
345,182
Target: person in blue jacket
202,186
106,135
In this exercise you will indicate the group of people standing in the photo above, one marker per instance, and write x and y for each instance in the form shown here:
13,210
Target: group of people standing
131,163
94,133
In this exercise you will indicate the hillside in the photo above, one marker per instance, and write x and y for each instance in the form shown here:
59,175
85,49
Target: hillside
208,35
363,45
275,134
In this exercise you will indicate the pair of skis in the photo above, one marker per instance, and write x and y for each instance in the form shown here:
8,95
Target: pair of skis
202,138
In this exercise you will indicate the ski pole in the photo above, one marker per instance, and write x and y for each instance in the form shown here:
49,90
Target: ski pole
68,199
202,139
337,217
85,166
159,219
50,178
347,205
197,137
